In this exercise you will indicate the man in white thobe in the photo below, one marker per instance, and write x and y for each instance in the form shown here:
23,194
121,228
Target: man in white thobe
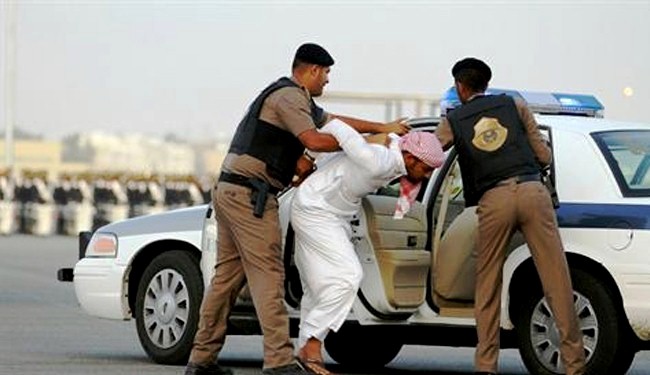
321,212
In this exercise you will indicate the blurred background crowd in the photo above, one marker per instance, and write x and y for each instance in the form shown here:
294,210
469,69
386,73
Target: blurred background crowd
34,203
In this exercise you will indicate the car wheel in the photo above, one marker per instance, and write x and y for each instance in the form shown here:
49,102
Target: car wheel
167,306
357,346
604,328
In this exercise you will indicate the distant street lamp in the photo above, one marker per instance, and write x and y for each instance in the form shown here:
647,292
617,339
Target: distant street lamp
9,80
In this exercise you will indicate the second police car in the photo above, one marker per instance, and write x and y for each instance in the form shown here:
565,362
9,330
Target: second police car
418,285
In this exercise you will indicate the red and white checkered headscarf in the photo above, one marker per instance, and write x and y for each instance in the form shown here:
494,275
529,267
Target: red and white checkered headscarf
426,147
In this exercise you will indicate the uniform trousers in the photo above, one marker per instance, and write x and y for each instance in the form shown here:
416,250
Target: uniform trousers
502,210
249,250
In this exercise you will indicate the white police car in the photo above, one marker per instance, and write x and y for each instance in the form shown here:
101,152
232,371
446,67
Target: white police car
418,284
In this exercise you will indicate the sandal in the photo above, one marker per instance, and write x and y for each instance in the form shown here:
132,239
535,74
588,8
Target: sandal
314,366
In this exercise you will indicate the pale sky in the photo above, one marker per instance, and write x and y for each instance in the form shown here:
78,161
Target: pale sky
192,67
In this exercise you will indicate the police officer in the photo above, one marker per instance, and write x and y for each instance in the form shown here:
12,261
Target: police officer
500,153
262,160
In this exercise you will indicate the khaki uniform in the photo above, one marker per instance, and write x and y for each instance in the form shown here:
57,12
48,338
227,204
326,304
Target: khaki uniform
524,206
249,248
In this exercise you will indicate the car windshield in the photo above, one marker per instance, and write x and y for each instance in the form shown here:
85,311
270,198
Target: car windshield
628,155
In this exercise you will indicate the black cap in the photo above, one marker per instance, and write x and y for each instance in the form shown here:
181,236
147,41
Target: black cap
474,64
314,54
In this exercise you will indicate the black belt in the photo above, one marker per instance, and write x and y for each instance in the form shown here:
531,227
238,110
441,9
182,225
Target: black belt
519,179
259,189
240,180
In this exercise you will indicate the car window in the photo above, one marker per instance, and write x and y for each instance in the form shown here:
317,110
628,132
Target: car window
628,155
390,190
451,191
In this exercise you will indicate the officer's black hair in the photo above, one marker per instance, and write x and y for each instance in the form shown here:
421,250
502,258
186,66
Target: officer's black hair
297,63
311,53
473,79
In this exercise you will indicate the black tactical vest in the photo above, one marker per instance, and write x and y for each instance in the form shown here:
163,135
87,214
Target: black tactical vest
278,148
491,142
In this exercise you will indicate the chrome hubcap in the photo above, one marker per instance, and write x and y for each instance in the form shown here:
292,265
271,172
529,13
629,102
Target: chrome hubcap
545,337
166,308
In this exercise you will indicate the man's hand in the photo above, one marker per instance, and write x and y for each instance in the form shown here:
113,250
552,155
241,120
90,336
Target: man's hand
399,126
379,138
304,167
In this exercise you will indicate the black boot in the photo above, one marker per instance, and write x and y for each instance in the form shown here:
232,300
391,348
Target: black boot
292,369
213,369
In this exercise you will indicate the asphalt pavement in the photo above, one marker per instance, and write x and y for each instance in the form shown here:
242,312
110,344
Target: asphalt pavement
43,330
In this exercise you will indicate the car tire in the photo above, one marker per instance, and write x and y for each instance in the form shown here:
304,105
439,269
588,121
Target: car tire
356,346
603,324
167,306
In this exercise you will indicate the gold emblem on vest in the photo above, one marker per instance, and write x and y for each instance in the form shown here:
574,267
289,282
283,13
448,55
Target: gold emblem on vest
489,134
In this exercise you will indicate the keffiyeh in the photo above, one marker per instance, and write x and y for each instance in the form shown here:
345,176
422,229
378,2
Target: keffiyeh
426,147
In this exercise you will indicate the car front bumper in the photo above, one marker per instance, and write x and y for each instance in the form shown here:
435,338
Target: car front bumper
99,285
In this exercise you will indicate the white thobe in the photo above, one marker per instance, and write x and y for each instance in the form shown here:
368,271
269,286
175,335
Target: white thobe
322,208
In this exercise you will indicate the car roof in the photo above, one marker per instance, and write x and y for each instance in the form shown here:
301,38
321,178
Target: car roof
587,125
576,124
424,123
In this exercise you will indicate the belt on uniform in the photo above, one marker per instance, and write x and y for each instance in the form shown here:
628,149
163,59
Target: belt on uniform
519,179
250,182
259,189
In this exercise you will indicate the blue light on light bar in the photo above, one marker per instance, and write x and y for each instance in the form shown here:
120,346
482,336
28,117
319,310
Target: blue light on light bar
538,102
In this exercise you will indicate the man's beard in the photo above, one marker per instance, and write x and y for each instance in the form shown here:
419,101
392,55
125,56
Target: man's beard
411,178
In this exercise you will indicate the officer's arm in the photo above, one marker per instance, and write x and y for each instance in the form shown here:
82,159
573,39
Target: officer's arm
444,134
537,142
398,126
293,110
314,140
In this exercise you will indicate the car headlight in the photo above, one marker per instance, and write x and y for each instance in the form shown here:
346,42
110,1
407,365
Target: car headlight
102,245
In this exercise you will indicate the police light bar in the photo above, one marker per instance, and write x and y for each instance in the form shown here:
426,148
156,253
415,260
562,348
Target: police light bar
538,102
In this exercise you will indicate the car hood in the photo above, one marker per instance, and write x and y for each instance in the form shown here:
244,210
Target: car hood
180,220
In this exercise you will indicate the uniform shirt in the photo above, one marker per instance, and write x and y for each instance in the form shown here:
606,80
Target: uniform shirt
343,178
537,142
288,108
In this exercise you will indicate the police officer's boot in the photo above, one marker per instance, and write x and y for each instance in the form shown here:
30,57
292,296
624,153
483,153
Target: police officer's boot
212,369
291,369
